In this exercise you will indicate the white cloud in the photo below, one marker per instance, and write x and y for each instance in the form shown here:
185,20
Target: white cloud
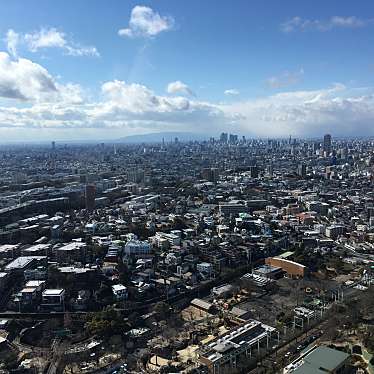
145,22
47,38
303,24
179,87
12,40
135,108
131,106
82,51
338,110
232,92
25,80
138,99
285,79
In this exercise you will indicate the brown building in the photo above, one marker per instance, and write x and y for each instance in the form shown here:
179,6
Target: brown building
293,269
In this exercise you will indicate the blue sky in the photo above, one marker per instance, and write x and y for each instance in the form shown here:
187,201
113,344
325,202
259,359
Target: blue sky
100,70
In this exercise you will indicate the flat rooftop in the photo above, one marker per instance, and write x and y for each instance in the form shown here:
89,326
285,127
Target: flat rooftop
8,247
34,283
267,269
71,246
236,339
53,292
317,360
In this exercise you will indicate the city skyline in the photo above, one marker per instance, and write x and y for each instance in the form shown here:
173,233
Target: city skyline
131,68
186,187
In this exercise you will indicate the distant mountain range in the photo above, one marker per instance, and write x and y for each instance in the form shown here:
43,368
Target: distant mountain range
134,139
167,136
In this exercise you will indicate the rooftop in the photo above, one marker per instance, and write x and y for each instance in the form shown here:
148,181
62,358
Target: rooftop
53,292
236,339
71,246
320,359
21,262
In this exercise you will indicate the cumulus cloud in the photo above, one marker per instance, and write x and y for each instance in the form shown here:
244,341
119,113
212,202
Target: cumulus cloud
232,92
179,87
285,79
138,99
25,80
145,22
303,24
47,104
47,38
337,109
123,105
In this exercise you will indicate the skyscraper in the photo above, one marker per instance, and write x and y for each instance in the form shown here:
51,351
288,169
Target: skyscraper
254,171
135,175
90,194
301,170
270,169
327,143
223,138
210,174
233,138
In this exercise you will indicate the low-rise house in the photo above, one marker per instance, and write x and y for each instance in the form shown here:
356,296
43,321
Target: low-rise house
137,249
4,279
28,295
36,250
22,263
39,285
71,252
120,291
40,273
53,299
224,291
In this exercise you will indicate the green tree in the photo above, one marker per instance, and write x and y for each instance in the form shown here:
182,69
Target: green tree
134,319
104,294
124,272
106,323
55,278
162,309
